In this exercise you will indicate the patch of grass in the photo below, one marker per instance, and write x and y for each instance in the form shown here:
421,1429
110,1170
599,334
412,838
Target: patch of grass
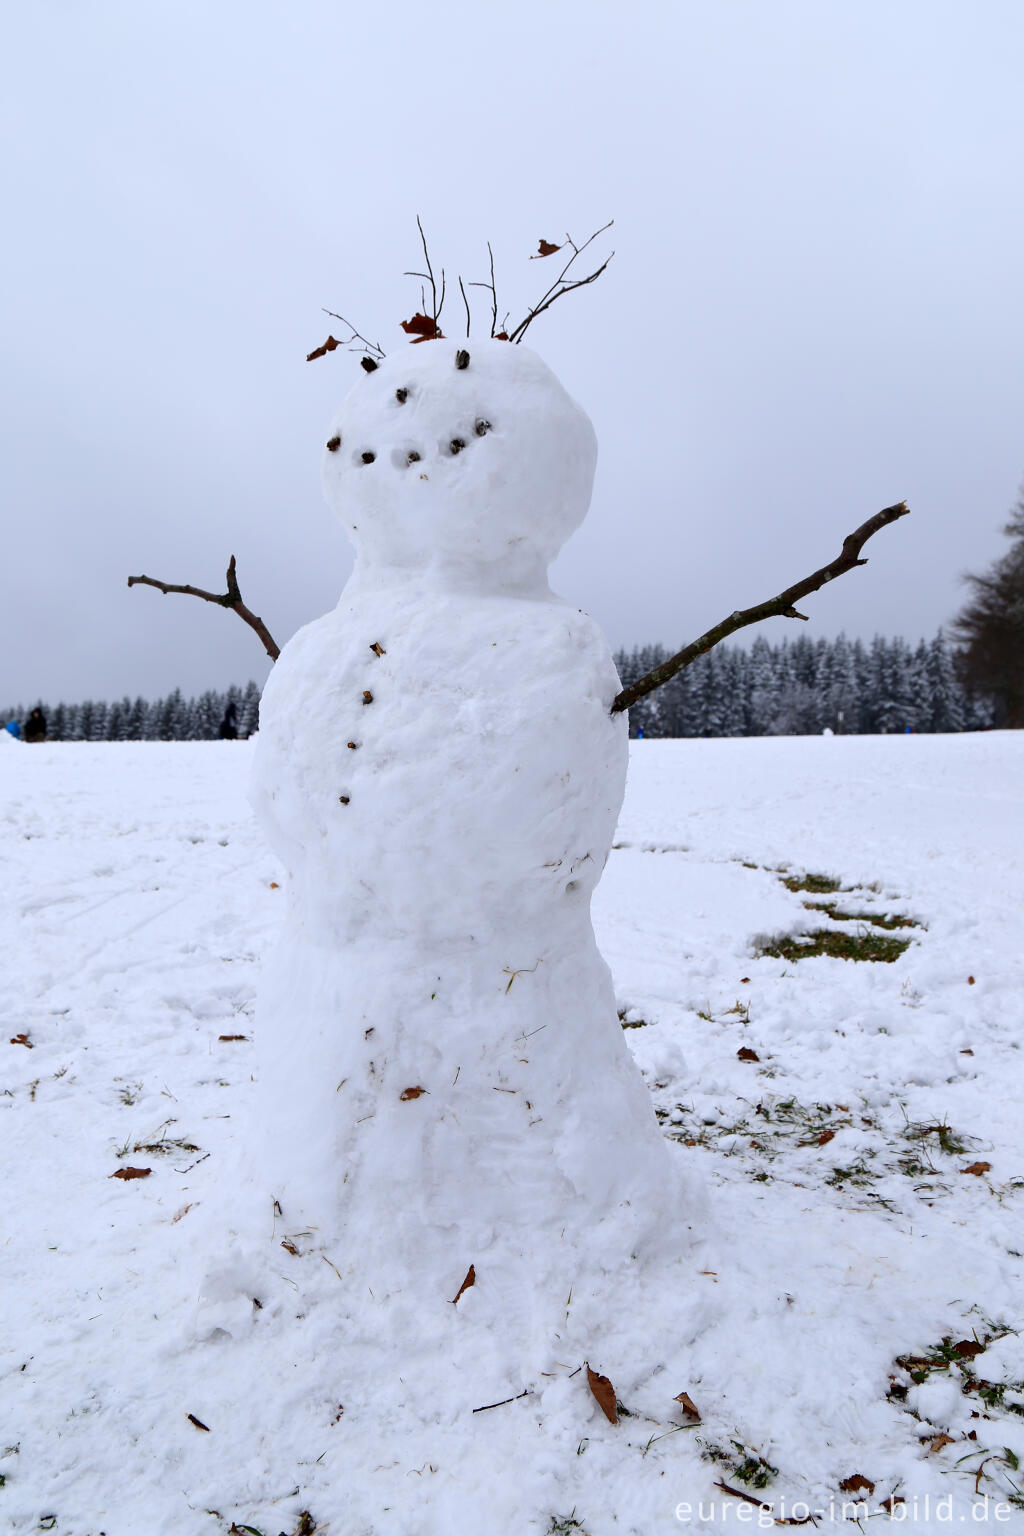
818,885
563,1525
857,1173
741,1464
833,942
129,1094
946,1139
886,920
631,1023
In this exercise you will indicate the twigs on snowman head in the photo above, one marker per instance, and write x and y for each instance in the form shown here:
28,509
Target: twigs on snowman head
562,284
423,326
425,323
372,349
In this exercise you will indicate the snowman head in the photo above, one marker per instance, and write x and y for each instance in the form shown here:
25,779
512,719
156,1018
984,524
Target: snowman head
460,457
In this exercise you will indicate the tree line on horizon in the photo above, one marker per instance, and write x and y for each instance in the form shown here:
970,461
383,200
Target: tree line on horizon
803,687
172,718
792,688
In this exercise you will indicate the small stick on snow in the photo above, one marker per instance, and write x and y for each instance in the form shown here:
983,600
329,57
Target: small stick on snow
776,607
232,598
487,1406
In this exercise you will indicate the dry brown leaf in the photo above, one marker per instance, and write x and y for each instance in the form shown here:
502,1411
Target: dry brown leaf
132,1173
469,1280
968,1348
746,1054
410,1093
604,1394
328,346
545,248
274,885
423,327
855,1483
232,1037
689,1406
891,1504
825,1138
977,1169
966,1051
22,1040
289,1247
970,981
378,649
744,981
939,1442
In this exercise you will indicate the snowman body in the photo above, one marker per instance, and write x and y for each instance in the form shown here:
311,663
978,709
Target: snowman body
442,1075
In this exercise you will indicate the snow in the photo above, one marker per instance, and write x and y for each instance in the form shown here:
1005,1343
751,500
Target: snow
141,902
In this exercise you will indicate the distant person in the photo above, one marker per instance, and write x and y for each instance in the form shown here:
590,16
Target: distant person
229,725
35,726
14,728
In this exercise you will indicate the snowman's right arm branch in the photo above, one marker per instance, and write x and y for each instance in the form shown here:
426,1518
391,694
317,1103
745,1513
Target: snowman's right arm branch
232,598
782,606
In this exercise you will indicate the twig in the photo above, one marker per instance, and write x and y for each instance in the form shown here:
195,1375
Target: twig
748,1498
494,294
776,607
436,307
370,346
232,598
487,1406
466,302
560,285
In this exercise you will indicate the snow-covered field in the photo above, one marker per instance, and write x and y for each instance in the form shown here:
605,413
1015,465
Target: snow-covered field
856,1124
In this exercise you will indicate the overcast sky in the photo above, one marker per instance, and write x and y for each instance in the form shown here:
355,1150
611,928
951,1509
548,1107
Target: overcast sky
814,310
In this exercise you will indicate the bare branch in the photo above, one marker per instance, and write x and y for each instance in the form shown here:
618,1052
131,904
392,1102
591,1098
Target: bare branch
465,301
436,306
494,299
331,344
232,598
562,284
782,606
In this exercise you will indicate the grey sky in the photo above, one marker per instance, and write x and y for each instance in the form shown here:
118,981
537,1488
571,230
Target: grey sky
815,307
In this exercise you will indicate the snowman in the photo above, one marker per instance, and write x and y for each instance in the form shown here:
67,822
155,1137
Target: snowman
445,1100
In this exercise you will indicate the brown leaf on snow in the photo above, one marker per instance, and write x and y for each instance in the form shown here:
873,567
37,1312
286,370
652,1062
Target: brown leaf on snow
892,1503
289,1247
232,1037
411,1093
746,1054
22,1040
604,1394
132,1173
545,249
855,1483
970,981
939,1442
469,1280
378,649
977,1168
274,885
825,1138
968,1348
689,1406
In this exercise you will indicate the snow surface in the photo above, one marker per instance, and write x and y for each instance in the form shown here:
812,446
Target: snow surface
141,899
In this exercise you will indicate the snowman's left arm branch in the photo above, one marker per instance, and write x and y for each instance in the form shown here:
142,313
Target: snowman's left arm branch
782,606
232,598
